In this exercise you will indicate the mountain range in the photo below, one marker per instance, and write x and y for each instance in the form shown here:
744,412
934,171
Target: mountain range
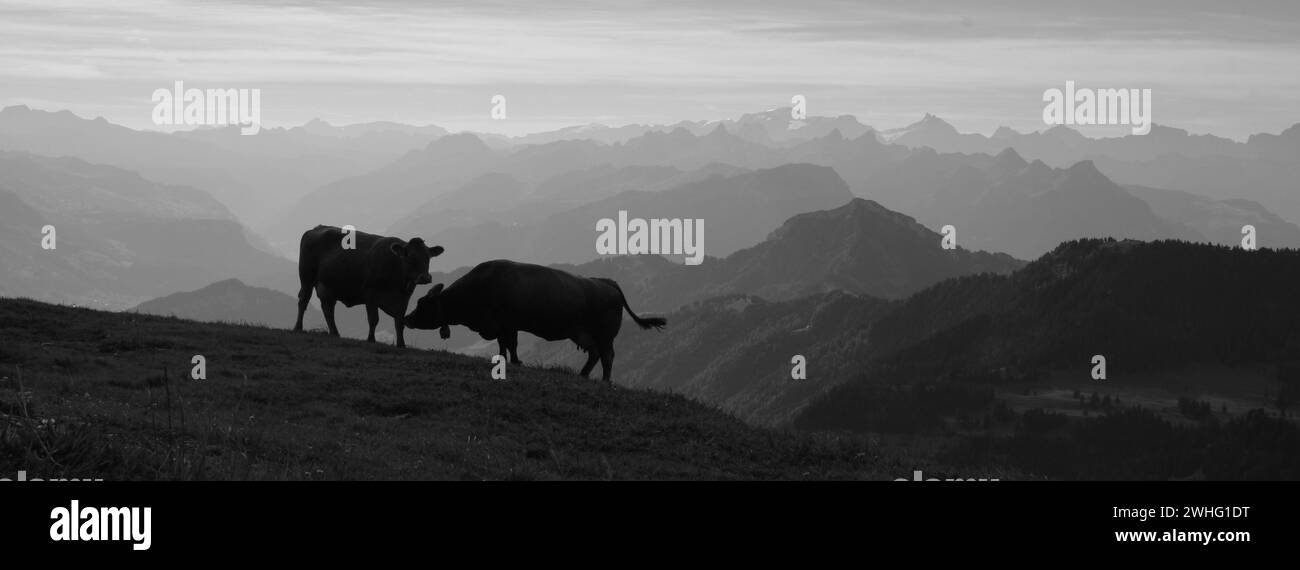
822,277
737,211
1263,169
1149,308
231,301
131,228
254,176
1144,306
860,247
385,176
1060,145
119,238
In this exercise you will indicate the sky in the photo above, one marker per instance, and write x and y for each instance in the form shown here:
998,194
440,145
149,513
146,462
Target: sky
1231,69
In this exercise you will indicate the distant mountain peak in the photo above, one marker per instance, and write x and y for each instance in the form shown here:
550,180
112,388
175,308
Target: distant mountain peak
1165,130
1010,158
933,123
1006,133
232,283
1064,132
1084,175
1083,167
870,138
856,216
465,142
777,114
25,113
1290,135
929,126
860,246
1292,132
862,205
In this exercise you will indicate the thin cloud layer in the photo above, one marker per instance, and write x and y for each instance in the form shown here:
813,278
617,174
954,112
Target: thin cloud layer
980,65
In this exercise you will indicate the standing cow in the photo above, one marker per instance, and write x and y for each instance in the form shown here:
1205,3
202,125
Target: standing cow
497,299
380,272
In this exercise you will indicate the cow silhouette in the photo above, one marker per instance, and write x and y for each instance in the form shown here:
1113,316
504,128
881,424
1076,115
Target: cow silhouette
379,272
499,298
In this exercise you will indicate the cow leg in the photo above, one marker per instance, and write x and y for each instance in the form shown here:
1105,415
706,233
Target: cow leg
509,343
591,363
306,282
395,308
372,318
585,342
606,362
327,308
304,298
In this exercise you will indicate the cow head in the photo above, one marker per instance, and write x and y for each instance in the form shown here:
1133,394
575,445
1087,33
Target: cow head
429,313
414,257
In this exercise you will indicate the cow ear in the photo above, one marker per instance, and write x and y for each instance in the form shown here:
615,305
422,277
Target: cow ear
396,249
435,251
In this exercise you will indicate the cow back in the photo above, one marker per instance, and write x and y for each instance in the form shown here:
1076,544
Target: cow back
342,271
547,302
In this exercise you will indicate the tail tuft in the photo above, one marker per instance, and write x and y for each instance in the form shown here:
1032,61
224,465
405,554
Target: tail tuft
645,323
651,322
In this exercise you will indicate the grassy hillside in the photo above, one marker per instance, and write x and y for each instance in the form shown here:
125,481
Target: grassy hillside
82,394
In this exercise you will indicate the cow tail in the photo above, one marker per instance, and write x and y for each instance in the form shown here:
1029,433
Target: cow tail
645,323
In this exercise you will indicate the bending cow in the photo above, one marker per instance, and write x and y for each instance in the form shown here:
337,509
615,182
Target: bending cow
497,299
380,272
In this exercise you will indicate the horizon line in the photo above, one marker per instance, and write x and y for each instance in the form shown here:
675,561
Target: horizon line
660,126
